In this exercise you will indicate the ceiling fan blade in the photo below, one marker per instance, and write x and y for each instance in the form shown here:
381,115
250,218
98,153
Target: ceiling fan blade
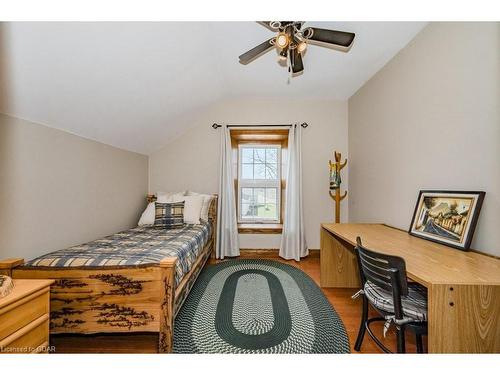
255,52
337,38
297,65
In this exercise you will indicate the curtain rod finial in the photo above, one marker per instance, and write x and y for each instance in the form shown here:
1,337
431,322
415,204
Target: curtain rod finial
304,125
215,126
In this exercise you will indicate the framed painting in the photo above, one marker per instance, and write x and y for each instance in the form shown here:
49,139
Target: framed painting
447,217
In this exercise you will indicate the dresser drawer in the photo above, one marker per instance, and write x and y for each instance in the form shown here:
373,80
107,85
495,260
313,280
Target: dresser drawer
30,338
17,315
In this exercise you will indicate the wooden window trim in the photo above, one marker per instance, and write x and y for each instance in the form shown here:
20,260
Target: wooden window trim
260,228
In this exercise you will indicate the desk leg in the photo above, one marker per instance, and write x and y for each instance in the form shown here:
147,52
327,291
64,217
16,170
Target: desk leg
464,319
339,268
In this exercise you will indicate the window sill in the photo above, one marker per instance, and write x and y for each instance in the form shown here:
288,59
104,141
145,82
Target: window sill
260,228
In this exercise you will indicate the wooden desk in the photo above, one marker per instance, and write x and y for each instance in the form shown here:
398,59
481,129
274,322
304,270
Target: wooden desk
463,287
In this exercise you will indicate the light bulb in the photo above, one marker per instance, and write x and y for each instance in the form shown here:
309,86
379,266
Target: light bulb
301,47
282,40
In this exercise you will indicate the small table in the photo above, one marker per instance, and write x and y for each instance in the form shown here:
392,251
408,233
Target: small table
463,286
25,317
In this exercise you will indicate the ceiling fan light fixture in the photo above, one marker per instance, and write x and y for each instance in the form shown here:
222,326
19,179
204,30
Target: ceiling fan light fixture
307,33
291,41
301,47
283,55
282,40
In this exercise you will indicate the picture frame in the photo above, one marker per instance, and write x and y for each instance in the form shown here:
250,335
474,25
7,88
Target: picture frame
447,217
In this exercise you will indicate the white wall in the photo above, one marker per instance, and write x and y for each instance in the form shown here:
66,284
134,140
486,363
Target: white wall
59,190
430,120
192,161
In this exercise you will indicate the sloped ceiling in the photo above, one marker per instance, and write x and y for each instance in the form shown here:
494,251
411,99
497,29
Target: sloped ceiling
125,84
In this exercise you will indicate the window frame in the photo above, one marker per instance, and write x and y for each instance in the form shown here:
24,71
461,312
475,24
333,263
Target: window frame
261,183
261,136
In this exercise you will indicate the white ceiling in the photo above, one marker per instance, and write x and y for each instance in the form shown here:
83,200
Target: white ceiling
125,84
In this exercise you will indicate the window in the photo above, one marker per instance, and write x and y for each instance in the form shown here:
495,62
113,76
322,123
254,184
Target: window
260,157
259,183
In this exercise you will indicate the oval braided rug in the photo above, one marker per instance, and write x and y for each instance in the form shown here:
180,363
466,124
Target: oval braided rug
257,306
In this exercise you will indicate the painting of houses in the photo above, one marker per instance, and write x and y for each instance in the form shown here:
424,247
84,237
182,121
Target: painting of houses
446,217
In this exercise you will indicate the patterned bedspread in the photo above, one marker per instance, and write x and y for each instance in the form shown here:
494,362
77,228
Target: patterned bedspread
145,245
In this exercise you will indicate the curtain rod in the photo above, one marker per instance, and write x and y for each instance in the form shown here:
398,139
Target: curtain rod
216,126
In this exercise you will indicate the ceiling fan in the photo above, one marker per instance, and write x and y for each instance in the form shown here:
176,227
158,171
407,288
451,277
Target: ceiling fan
291,42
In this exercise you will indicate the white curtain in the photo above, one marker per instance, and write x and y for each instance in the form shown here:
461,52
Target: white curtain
293,239
227,239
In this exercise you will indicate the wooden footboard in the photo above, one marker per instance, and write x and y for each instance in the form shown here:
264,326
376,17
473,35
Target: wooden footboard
111,300
102,300
116,299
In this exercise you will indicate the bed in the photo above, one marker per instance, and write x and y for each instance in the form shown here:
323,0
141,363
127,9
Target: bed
132,281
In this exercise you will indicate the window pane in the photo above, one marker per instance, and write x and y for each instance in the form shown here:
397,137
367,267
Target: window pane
246,212
260,195
271,171
247,155
271,196
259,171
247,171
260,155
246,195
267,211
271,155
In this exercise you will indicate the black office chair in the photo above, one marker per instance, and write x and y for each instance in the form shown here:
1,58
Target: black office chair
385,288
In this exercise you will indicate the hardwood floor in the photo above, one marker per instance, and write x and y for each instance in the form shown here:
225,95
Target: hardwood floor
348,309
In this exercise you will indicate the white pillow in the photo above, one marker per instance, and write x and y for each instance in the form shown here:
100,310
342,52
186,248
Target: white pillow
162,197
148,216
206,203
192,209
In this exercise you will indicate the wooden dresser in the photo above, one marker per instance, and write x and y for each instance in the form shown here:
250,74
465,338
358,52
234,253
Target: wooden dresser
24,317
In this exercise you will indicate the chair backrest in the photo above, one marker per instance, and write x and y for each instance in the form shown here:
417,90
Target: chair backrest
386,271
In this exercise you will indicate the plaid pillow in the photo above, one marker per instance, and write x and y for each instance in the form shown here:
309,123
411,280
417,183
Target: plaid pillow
169,215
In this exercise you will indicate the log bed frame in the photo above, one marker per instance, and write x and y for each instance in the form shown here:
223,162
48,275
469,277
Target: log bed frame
117,299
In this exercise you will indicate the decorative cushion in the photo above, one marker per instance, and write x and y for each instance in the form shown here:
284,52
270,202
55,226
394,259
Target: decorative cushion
207,199
169,215
148,216
162,197
414,304
192,209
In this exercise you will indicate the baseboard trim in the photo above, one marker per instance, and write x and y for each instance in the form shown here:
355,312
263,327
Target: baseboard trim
270,253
